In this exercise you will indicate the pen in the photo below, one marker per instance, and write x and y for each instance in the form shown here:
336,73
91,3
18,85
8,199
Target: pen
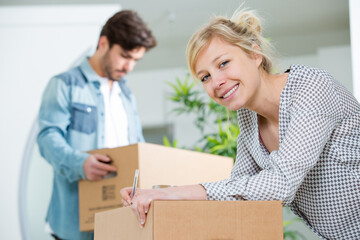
135,183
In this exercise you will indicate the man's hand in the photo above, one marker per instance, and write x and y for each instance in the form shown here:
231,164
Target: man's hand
95,168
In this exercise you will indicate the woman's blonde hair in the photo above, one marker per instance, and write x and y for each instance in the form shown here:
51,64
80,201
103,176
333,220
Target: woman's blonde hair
243,29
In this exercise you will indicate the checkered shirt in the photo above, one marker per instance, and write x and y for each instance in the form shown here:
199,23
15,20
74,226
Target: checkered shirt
316,171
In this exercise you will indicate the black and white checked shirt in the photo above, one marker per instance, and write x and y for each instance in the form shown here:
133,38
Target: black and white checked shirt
316,171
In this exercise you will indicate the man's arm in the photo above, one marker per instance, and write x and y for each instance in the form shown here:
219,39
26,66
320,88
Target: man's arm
54,121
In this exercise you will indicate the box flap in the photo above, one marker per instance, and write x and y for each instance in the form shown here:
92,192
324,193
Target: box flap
171,166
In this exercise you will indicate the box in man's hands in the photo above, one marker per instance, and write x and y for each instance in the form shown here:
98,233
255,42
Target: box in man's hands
158,165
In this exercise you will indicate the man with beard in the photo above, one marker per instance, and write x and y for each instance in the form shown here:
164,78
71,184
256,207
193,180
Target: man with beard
90,107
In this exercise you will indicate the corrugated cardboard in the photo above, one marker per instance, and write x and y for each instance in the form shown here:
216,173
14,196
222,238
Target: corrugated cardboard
195,220
158,165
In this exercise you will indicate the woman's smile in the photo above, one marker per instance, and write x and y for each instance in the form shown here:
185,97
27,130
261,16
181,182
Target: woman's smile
229,94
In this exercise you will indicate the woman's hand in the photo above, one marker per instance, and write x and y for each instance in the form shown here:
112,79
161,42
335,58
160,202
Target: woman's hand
140,203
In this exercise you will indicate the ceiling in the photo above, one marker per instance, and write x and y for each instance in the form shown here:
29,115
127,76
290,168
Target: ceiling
295,27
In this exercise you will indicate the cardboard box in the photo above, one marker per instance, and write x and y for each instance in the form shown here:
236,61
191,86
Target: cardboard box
158,165
194,220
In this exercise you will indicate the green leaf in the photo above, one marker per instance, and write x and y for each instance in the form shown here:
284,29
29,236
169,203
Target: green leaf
212,140
287,223
175,142
166,141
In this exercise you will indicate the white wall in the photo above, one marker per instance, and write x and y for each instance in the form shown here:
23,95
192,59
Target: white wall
336,60
152,91
36,43
354,9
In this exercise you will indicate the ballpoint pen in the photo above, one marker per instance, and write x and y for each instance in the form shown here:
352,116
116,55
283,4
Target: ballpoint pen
135,183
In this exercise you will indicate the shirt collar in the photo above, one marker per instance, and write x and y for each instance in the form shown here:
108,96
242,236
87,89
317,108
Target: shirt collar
88,71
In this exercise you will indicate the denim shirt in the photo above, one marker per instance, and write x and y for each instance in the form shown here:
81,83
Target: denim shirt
71,121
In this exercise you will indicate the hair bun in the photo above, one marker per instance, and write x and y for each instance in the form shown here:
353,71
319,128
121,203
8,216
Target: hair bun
247,19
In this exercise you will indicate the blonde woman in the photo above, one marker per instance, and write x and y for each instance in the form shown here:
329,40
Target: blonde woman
299,136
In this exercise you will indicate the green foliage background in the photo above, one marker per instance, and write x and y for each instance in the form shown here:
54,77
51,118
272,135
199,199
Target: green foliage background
222,142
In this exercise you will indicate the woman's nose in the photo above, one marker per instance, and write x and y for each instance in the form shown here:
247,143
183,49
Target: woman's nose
218,80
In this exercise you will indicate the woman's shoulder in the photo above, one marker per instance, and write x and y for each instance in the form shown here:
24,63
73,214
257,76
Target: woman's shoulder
310,88
302,74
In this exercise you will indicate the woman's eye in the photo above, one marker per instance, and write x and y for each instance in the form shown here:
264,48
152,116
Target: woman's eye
223,64
204,78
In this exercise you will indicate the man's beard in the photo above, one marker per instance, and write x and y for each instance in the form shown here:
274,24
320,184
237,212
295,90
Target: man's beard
108,69
109,74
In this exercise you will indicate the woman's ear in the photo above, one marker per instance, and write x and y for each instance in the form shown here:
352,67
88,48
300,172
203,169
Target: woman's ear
258,57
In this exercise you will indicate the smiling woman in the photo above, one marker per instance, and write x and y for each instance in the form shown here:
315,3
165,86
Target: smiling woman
220,61
299,131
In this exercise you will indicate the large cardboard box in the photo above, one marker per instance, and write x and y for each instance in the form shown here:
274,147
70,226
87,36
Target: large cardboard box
194,220
158,165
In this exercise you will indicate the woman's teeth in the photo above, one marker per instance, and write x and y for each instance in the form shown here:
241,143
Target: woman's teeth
231,91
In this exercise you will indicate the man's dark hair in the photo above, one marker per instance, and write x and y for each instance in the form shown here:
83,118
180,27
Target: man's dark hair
128,30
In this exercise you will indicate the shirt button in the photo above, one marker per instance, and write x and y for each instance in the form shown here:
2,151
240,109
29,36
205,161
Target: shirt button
88,109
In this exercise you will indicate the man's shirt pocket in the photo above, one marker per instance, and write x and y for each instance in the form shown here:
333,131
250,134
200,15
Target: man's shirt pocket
83,118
